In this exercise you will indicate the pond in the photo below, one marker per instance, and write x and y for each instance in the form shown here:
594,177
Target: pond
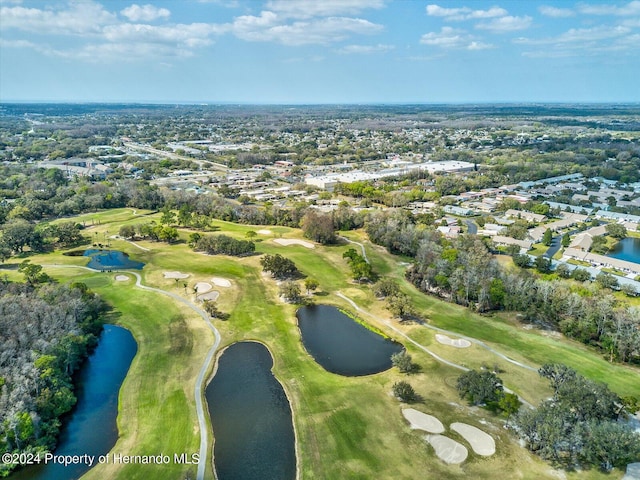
91,427
627,249
341,345
110,260
250,416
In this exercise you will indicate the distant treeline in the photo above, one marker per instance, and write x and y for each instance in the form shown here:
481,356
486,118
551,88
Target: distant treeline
46,332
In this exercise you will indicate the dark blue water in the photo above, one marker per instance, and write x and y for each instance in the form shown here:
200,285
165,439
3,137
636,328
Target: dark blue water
110,260
341,345
627,249
91,428
251,417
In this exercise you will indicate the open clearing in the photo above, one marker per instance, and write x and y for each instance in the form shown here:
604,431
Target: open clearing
453,342
481,443
422,421
294,241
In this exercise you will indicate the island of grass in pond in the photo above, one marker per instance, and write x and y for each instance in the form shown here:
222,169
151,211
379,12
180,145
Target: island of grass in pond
110,260
250,416
341,345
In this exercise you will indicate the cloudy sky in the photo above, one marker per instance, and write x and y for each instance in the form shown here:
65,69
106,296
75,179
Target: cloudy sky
319,51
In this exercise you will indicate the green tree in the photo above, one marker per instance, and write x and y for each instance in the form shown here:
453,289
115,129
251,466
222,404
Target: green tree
310,284
547,237
400,306
318,227
278,266
566,240
479,387
290,291
616,230
127,231
404,392
402,361
543,264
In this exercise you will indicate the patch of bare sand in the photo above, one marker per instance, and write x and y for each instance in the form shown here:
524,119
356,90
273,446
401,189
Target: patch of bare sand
422,421
453,342
482,443
264,231
175,275
294,241
221,282
213,296
202,287
121,278
448,450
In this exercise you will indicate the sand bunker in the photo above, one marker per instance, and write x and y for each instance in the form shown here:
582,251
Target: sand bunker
482,443
221,282
422,421
294,241
202,287
264,232
448,450
121,278
175,275
453,342
213,296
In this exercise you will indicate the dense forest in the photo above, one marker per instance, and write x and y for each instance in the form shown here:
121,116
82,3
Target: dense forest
46,332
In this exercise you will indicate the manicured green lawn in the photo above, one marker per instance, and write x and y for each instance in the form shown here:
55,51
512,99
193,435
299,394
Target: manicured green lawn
345,427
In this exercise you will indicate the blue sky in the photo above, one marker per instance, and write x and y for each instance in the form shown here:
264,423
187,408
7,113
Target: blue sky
319,51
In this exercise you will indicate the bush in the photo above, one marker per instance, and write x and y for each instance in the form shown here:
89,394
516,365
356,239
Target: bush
404,392
402,361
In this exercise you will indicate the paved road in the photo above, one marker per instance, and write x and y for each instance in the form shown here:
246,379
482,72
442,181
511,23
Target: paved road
364,253
435,355
556,243
472,227
175,156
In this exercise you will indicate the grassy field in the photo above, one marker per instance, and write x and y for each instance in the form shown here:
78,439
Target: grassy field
345,427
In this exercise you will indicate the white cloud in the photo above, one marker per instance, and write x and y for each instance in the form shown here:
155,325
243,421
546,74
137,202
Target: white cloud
184,35
464,13
304,9
268,28
506,24
631,8
80,18
451,38
555,12
144,13
365,49
479,46
585,42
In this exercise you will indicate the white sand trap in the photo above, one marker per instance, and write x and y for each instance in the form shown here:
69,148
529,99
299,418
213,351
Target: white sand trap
221,282
264,231
175,275
448,450
453,342
294,241
422,421
482,443
202,287
213,296
121,278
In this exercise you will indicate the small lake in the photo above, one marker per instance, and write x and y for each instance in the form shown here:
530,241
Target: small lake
91,427
251,417
341,345
627,249
110,260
